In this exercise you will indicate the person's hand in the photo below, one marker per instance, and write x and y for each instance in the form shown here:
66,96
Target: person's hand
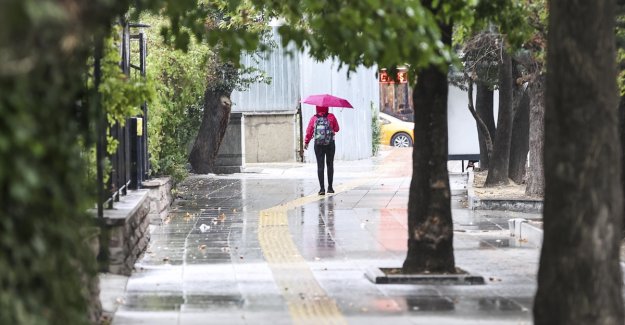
306,146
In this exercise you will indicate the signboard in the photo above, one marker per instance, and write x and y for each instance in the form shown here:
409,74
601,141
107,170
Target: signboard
402,77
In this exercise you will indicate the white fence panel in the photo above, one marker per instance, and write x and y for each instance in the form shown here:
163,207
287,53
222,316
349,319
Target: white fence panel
353,141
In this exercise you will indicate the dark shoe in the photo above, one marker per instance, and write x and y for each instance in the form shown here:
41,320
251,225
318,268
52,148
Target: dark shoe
330,190
322,192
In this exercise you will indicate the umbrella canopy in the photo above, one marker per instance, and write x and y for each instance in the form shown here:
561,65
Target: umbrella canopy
326,100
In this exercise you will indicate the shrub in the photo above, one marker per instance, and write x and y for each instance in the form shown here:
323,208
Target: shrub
176,113
376,131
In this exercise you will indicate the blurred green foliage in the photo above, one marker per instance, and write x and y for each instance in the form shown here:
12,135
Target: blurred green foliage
44,48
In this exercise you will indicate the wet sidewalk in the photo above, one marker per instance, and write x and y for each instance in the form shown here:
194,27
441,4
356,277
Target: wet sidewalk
261,247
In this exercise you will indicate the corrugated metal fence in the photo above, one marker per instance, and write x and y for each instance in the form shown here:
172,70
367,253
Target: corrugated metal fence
282,94
361,89
296,77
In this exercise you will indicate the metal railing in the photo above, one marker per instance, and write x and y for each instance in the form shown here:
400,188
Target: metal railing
129,162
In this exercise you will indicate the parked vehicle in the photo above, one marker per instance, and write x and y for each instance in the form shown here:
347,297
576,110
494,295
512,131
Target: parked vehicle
395,132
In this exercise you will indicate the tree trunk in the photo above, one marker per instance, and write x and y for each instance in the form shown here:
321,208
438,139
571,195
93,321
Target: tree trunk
430,228
535,173
481,126
621,115
484,108
499,161
520,140
217,106
579,278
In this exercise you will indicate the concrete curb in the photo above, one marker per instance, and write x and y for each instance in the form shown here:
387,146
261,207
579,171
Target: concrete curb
458,188
112,292
524,231
127,205
517,205
521,229
470,192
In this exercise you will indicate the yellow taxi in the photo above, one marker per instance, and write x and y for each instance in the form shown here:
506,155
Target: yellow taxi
395,132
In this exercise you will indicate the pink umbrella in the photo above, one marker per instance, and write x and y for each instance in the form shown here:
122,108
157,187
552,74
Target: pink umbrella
326,100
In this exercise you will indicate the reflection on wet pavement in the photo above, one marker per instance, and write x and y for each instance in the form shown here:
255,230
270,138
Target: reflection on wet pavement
206,264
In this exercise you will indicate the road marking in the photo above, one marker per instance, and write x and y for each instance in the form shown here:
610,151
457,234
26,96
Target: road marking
307,301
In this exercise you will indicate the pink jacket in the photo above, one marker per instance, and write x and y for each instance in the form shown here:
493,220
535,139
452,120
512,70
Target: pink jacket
334,124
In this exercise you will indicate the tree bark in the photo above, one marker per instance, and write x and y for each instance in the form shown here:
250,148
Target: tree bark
535,173
499,161
430,228
217,107
519,144
481,126
621,115
484,108
579,278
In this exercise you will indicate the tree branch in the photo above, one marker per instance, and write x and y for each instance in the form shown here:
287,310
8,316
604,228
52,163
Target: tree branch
480,123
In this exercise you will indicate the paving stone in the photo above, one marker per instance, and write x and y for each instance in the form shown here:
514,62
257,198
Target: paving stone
220,274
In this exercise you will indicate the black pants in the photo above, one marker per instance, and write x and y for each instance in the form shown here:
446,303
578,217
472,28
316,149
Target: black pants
325,153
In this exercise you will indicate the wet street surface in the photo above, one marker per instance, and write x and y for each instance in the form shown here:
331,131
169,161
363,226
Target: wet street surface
262,248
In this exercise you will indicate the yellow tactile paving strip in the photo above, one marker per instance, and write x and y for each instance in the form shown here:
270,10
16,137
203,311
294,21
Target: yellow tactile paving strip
307,301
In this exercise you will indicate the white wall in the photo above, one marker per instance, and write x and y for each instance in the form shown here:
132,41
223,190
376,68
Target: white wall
461,125
353,141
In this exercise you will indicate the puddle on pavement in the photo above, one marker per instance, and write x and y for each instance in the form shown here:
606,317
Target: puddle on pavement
482,225
430,304
494,242
173,302
443,303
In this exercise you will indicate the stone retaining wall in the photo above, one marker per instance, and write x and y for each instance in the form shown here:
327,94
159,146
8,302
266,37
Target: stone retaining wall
160,198
128,231
129,221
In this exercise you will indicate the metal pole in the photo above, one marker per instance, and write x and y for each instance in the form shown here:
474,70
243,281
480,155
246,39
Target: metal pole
301,133
100,136
143,52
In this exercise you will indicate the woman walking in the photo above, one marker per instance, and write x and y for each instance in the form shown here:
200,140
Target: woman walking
323,126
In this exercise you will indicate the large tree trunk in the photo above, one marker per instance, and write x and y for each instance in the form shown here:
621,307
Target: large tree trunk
535,172
430,228
217,106
519,144
579,279
621,115
498,169
484,107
